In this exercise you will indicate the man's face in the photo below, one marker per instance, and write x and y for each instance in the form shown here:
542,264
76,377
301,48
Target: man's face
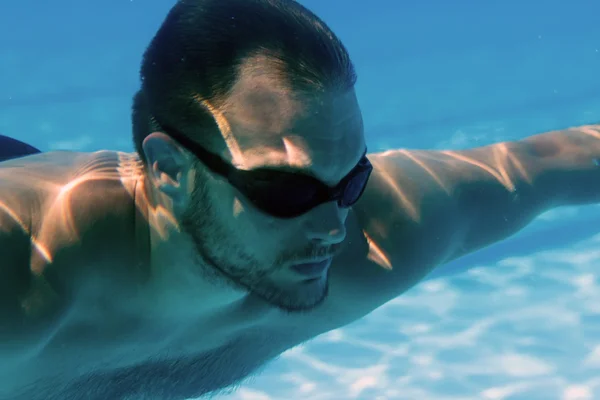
265,125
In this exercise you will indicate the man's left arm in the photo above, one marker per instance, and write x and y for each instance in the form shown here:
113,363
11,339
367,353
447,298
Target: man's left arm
424,208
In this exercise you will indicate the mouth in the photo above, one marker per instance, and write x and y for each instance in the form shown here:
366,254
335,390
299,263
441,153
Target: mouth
313,269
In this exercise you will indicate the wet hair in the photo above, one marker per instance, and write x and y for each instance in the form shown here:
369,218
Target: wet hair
198,50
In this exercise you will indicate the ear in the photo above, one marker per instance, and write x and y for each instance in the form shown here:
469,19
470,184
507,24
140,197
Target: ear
168,167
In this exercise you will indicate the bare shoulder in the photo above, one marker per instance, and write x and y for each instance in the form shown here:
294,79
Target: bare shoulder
60,215
422,208
65,198
27,301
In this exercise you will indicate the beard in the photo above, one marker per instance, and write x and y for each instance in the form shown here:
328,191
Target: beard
222,260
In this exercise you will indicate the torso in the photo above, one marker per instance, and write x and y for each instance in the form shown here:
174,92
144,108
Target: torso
100,354
100,348
129,364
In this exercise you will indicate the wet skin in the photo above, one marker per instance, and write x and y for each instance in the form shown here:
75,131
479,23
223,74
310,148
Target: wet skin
125,282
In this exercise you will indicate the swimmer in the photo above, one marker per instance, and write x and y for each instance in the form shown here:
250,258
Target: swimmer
250,219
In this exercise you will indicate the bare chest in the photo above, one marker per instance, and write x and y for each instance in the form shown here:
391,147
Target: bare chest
142,366
181,375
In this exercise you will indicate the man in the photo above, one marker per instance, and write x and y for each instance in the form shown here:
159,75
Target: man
249,220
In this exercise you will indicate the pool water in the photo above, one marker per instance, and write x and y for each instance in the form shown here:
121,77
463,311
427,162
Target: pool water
519,320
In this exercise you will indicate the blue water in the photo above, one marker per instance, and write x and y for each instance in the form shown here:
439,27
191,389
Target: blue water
519,320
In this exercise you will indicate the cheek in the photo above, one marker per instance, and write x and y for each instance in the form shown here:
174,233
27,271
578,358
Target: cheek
256,231
265,232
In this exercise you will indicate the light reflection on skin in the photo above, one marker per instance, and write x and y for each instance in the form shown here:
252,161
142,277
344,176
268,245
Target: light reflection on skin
56,210
503,166
507,164
56,205
502,162
40,198
261,101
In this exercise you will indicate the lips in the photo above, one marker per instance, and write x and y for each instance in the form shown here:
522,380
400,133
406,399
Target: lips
312,269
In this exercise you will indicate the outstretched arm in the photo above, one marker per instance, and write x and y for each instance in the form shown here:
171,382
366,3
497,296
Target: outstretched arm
425,208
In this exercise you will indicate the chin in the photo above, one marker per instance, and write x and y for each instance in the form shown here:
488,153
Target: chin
303,297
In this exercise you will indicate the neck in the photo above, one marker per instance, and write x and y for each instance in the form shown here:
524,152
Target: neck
177,282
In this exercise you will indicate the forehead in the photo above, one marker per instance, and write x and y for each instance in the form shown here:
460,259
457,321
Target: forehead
265,123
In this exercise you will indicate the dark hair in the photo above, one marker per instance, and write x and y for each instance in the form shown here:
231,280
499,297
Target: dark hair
201,44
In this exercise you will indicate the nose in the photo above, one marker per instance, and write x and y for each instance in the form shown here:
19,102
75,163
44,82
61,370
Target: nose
326,223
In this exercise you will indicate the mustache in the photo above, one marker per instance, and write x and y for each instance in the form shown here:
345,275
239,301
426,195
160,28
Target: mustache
313,251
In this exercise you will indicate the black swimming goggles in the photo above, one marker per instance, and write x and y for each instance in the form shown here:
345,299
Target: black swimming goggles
278,193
